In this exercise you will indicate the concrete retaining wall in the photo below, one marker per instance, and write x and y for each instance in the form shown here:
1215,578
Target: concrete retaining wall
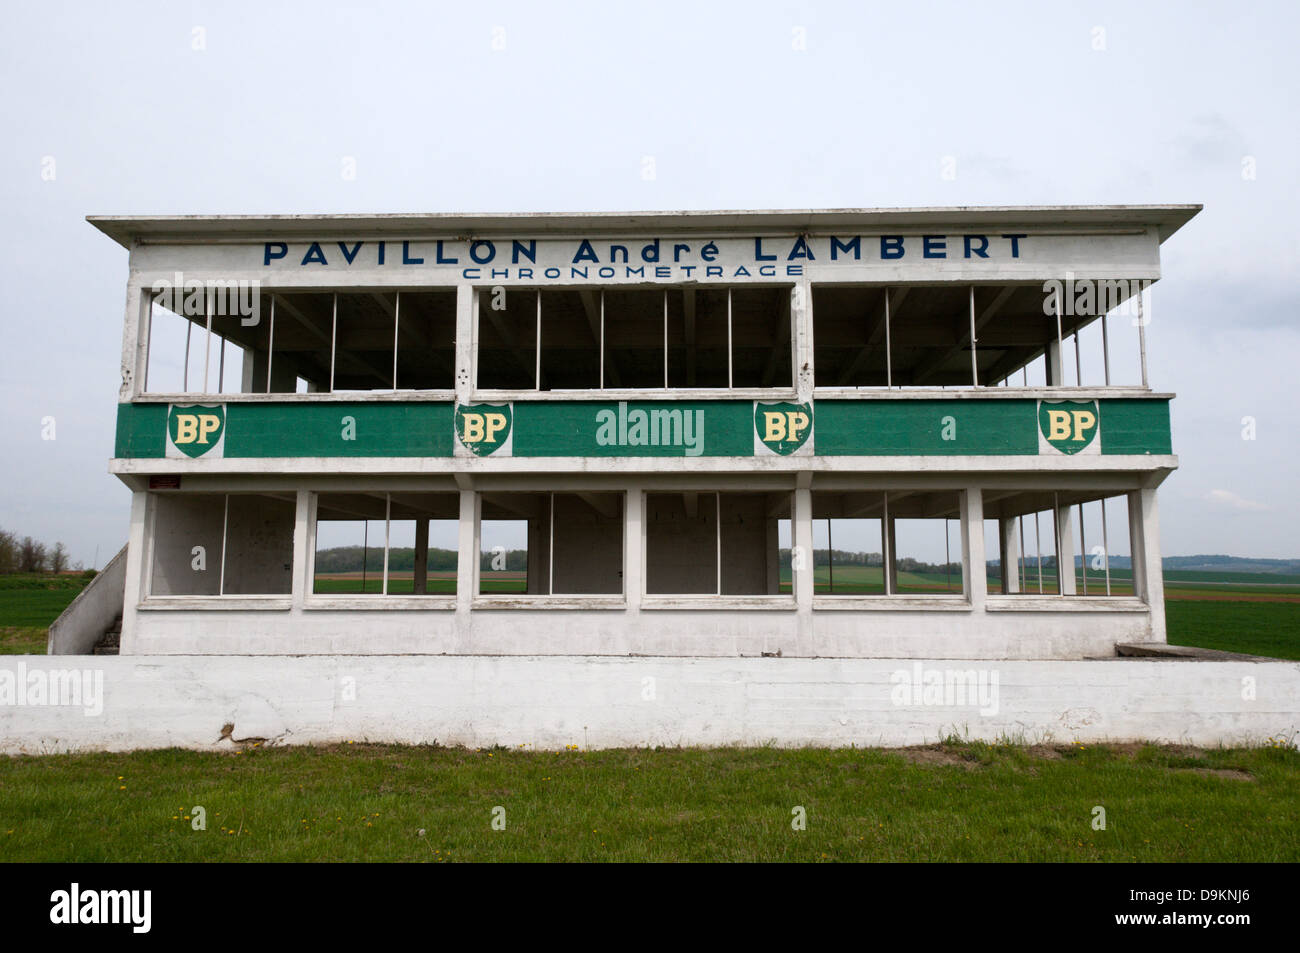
548,702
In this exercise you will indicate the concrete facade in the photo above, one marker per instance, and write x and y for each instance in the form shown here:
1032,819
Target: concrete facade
782,361
595,702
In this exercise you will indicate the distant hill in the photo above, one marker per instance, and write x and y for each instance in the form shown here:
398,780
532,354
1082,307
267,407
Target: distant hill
1203,563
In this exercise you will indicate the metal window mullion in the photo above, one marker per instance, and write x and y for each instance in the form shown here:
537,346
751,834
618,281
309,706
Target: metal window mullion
550,559
334,348
974,364
225,525
889,355
397,321
270,351
537,368
1078,362
888,546
602,339
221,368
1105,348
185,376
1083,551
1142,340
830,560
207,340
1056,543
1038,551
717,523
388,521
1021,568
1105,544
1058,377
730,354
665,339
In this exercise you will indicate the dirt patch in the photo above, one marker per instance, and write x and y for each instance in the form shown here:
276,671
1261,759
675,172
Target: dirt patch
1044,752
934,755
1230,774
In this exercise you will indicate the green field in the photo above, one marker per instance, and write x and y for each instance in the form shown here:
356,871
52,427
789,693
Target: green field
438,583
956,802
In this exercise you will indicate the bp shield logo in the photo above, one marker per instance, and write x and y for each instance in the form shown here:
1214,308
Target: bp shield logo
196,430
1069,426
483,429
783,428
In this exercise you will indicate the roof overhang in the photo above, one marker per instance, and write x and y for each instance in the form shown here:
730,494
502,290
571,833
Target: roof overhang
127,230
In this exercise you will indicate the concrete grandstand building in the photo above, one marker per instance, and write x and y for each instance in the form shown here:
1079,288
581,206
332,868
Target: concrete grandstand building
913,433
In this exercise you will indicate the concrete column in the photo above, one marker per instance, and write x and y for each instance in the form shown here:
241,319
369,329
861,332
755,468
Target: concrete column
1135,544
1153,572
1055,372
420,584
467,547
634,547
135,342
137,575
889,552
1010,554
973,569
1065,551
803,540
304,536
465,299
772,549
802,342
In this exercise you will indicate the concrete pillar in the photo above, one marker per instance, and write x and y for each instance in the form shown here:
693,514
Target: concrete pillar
634,547
772,550
973,568
465,299
539,551
467,547
802,342
1065,551
304,526
889,552
420,585
1055,371
1010,554
803,540
1152,571
137,578
1135,544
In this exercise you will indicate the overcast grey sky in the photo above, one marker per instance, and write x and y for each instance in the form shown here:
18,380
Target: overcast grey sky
142,108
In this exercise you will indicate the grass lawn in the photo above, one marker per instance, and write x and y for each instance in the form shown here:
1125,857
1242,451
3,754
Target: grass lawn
956,802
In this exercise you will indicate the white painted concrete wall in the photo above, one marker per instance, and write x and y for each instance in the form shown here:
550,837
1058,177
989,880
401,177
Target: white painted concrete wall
839,627
151,702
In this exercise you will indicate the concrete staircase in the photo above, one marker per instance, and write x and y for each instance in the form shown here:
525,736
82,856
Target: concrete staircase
92,622
110,641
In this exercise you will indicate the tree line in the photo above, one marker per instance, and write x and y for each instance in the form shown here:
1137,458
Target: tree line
30,555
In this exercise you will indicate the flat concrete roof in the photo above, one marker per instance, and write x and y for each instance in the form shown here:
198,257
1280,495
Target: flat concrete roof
127,229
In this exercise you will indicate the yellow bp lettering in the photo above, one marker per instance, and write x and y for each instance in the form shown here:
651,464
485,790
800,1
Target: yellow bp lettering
1083,420
1058,425
774,425
473,428
492,424
187,428
798,423
208,424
